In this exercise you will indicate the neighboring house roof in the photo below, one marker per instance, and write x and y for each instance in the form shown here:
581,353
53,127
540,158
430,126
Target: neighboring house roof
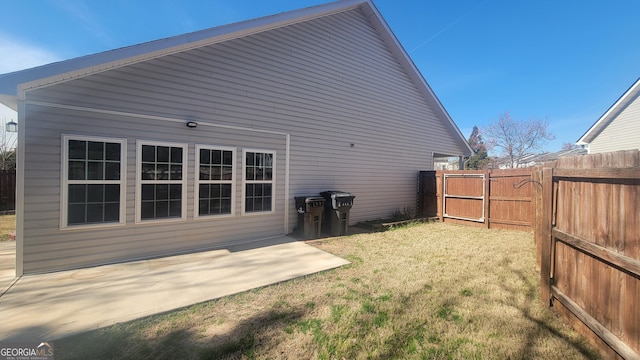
627,98
539,159
13,85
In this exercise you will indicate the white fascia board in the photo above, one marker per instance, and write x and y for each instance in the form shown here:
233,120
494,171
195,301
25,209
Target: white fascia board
610,114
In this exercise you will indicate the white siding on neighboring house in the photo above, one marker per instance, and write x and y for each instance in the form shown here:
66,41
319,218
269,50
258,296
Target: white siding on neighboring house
619,127
326,97
622,133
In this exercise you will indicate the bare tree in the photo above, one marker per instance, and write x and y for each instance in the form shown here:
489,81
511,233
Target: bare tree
517,138
569,146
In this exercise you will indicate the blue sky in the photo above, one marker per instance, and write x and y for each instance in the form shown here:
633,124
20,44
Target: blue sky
565,61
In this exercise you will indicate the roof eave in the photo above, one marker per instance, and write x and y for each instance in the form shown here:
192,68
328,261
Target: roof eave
12,84
610,114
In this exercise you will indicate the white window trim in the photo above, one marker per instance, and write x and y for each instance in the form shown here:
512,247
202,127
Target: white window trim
64,181
139,181
196,188
272,182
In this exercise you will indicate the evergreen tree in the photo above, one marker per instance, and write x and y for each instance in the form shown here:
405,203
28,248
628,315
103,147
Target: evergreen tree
480,157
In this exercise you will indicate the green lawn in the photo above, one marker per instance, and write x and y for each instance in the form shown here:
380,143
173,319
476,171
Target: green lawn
429,291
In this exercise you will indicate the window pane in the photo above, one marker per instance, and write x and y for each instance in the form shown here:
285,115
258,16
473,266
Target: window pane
205,156
148,153
112,193
95,150
225,190
204,191
216,157
215,206
251,173
148,192
162,209
76,214
227,173
175,208
163,154
248,204
259,173
147,210
77,170
112,151
162,192
226,206
176,155
216,172
176,172
77,149
266,204
112,171
205,172
268,174
175,192
203,209
162,172
77,194
112,212
249,190
267,160
94,213
267,189
227,158
95,193
250,159
95,170
148,171
257,204
215,190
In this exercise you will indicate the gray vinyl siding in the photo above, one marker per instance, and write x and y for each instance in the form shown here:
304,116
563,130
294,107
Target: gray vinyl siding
622,133
329,83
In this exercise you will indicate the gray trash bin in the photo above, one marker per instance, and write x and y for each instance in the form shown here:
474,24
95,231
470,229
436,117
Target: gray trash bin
310,210
336,210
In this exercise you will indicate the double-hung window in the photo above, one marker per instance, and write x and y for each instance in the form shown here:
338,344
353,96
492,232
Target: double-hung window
214,180
259,180
161,181
93,187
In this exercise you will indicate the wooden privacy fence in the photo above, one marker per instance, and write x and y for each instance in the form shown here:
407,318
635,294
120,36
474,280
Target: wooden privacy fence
7,190
497,199
588,236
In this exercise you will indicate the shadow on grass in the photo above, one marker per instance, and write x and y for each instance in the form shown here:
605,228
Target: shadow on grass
131,340
543,328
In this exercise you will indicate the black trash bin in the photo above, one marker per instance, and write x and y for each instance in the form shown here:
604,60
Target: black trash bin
336,211
310,209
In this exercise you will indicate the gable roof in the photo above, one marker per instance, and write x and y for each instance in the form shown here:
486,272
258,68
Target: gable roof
13,85
627,98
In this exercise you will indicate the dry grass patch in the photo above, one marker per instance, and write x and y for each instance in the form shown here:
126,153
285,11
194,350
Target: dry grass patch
7,225
419,292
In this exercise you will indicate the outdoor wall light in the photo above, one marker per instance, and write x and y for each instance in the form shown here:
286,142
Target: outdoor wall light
190,124
12,126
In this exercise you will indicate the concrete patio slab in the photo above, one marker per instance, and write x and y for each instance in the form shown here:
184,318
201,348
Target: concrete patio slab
51,306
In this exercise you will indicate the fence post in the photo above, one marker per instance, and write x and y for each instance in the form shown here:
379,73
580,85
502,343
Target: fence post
487,198
545,236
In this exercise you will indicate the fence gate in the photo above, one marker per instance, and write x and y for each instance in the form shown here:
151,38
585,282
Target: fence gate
464,197
589,228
